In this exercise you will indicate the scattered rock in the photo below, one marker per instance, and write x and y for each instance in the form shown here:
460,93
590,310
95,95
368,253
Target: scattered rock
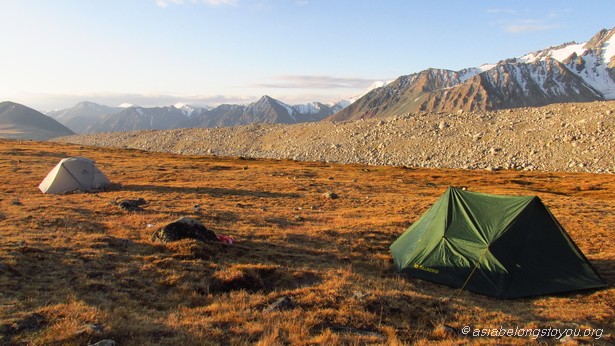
280,304
360,295
330,195
182,228
568,340
131,204
550,135
91,328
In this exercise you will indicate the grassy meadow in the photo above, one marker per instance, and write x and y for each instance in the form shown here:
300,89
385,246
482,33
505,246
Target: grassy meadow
76,269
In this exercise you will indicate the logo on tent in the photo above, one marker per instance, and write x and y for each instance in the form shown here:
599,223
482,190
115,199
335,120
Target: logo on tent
427,269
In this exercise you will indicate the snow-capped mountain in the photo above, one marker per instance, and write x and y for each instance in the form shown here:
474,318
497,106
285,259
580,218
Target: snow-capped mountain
265,110
375,85
593,61
572,72
317,111
190,110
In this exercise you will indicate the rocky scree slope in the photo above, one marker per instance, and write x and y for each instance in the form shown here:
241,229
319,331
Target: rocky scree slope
578,137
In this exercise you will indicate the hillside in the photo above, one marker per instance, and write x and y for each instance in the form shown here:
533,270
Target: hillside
19,121
76,269
571,72
578,137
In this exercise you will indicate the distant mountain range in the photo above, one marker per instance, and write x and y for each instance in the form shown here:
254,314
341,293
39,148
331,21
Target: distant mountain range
265,110
83,115
572,72
21,122
88,117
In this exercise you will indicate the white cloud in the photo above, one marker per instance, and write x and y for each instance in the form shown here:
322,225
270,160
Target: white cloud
220,2
513,21
527,25
165,3
320,82
45,101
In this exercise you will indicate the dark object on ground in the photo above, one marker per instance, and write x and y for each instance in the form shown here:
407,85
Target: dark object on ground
132,204
185,227
330,195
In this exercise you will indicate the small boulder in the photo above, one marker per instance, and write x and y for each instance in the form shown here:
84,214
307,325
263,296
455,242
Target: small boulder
132,204
185,227
330,195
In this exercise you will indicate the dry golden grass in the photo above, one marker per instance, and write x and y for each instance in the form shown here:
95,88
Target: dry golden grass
76,269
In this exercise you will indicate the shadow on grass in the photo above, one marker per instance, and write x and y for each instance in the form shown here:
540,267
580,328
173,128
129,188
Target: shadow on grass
213,191
606,270
134,284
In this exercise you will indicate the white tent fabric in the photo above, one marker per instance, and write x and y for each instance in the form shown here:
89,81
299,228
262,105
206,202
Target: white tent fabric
73,173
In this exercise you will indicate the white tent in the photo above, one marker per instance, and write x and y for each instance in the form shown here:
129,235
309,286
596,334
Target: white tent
73,173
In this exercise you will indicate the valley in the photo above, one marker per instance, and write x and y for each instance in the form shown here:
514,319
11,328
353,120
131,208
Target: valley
76,269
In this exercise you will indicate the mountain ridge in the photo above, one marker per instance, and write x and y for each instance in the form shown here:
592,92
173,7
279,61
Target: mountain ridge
570,72
89,117
22,122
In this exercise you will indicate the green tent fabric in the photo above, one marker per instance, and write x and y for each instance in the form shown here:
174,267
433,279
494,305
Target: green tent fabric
501,246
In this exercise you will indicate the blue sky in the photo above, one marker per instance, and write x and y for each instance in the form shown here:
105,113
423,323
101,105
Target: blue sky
159,52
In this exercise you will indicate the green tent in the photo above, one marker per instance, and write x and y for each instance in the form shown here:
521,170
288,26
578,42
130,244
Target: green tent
502,246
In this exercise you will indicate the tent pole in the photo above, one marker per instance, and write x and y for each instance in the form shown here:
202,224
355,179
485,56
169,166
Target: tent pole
473,270
77,180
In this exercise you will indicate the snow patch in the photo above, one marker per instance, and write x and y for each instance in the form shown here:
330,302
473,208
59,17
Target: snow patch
288,108
308,108
375,85
608,49
563,54
559,54
596,75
